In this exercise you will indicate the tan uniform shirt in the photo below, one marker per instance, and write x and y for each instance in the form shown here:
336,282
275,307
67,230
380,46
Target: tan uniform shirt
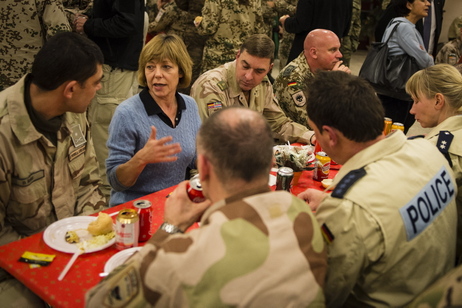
391,222
218,89
39,182
255,249
454,126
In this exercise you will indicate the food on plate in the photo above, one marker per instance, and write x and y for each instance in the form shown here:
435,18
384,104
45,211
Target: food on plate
102,225
72,237
98,233
296,157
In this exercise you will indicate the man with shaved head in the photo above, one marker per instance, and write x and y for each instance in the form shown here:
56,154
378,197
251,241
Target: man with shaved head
254,248
321,52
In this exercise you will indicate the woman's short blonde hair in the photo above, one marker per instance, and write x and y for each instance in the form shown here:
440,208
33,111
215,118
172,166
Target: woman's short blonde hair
162,47
441,78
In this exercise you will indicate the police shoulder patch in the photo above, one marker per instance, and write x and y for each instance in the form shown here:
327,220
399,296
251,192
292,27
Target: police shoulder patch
444,142
348,181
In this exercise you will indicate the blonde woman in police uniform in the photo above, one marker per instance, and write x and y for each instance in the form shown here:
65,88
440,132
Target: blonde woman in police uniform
437,95
390,223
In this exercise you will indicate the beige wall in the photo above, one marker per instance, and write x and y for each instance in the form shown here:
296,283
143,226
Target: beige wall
452,9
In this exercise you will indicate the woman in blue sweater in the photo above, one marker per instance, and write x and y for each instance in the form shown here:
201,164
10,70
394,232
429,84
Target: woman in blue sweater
152,134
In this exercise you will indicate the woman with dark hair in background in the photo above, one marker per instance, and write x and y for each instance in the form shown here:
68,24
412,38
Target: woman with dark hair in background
405,40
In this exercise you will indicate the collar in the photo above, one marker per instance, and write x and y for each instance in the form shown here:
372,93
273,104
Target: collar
151,106
230,200
391,144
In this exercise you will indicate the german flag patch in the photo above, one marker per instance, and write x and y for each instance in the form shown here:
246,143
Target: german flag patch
328,236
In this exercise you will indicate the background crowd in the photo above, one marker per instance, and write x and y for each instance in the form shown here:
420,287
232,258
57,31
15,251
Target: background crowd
101,103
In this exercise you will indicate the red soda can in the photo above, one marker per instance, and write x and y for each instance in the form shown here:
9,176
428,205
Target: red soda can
144,209
194,189
322,166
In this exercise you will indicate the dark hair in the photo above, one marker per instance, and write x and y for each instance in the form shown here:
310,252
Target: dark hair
239,144
347,103
259,45
65,57
400,7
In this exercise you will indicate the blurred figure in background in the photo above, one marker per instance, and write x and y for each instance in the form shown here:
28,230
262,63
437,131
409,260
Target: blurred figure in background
350,42
227,24
451,52
117,27
142,158
25,27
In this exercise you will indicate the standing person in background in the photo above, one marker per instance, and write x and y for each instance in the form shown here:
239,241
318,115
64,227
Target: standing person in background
117,27
437,95
334,15
350,42
453,31
226,24
388,218
25,27
177,17
321,53
405,40
141,158
283,7
237,258
243,82
451,52
48,168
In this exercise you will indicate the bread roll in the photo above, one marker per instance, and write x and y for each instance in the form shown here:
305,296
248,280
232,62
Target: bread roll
102,225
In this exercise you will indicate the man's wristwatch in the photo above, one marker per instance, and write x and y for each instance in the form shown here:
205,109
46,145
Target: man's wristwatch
169,228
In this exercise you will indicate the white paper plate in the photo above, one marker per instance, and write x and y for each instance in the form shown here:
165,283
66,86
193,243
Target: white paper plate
119,258
54,235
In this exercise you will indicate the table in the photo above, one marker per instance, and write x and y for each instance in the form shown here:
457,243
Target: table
70,292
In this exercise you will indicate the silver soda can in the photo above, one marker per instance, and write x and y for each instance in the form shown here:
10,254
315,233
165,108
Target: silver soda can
284,178
127,229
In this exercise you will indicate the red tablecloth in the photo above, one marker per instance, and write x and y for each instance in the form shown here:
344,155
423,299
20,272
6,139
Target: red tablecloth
84,274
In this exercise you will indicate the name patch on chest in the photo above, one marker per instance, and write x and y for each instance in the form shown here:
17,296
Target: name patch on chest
427,204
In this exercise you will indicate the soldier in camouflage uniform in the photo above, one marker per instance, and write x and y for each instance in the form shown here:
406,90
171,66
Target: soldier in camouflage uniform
243,82
255,247
451,52
321,52
180,21
227,24
454,28
74,8
25,27
48,169
351,41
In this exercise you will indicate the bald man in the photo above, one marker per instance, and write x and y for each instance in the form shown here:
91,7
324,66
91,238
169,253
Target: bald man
321,52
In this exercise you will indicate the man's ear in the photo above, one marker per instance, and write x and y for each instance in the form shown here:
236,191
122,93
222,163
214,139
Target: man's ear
332,135
69,89
203,166
313,53
238,53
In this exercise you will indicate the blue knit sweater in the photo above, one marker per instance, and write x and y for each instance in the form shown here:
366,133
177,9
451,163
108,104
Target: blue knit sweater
129,131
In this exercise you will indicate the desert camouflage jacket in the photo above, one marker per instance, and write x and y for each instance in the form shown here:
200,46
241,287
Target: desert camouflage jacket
255,249
450,53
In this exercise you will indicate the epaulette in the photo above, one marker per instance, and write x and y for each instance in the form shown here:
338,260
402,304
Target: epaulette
288,70
222,85
415,137
347,181
444,142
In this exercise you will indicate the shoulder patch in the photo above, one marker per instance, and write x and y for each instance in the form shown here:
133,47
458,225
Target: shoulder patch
289,69
328,236
299,98
213,106
348,180
222,85
444,142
